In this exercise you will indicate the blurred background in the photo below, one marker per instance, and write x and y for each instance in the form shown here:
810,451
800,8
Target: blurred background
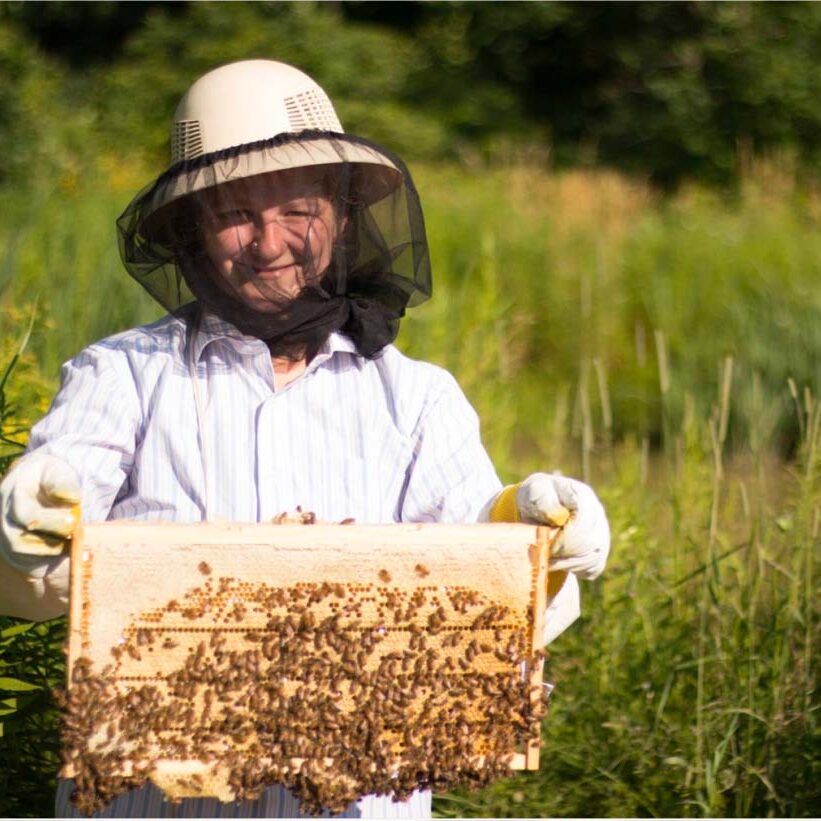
623,207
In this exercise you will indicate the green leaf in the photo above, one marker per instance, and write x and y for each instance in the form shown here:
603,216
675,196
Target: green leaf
15,684
16,629
785,523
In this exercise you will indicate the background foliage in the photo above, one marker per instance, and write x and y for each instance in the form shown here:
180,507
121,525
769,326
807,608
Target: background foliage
623,210
666,90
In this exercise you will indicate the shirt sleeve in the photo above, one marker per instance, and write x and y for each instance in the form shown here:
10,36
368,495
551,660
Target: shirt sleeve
92,424
451,477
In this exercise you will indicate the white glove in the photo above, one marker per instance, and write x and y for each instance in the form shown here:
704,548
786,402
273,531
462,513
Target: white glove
584,543
39,510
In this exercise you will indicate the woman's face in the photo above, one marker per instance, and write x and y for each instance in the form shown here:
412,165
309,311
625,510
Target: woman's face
268,236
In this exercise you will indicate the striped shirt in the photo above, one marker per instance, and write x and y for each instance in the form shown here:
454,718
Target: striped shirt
165,422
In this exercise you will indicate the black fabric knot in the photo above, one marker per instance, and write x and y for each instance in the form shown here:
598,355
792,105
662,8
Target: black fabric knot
370,325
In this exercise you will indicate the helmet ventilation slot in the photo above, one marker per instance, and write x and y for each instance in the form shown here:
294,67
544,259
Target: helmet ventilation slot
311,109
186,141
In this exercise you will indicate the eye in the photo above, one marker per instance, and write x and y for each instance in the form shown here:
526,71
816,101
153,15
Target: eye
233,216
301,209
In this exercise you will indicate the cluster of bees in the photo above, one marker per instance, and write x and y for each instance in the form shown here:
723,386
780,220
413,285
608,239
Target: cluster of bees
335,691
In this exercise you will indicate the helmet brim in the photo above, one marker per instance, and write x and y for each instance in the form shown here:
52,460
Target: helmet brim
371,174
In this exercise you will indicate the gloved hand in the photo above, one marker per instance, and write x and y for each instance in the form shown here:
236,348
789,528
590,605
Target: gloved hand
584,543
39,509
581,547
544,498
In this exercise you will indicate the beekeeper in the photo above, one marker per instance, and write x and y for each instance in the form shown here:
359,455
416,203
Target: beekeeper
286,253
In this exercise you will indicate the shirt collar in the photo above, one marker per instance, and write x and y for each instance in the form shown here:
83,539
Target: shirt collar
211,328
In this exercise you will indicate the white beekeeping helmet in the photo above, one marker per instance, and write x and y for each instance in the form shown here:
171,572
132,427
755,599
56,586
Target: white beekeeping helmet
254,117
247,102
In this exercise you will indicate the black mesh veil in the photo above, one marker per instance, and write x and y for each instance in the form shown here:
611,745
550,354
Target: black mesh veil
288,239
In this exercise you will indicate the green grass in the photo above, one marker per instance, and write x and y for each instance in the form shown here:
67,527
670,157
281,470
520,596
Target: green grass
645,345
31,666
689,687
558,283
59,257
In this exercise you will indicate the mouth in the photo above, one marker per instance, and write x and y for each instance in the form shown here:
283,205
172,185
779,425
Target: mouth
273,271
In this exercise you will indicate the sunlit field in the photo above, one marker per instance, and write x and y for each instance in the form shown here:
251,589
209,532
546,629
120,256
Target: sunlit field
665,350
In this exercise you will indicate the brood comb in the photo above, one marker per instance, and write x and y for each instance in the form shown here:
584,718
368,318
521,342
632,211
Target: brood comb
217,659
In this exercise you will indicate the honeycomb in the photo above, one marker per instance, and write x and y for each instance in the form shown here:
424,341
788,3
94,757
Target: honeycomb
335,689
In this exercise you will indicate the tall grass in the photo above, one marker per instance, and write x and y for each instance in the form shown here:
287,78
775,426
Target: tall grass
689,688
59,257
666,351
544,277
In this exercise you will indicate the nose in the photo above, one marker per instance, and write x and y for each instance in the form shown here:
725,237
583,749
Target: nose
269,240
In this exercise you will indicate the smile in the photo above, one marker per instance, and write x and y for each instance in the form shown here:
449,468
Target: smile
272,273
